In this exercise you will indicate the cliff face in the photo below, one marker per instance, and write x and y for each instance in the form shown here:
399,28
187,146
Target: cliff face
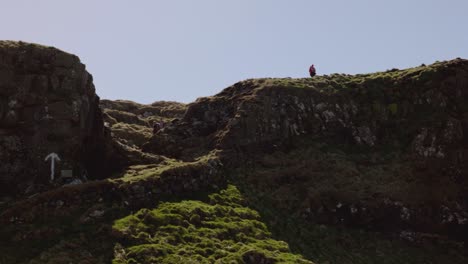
366,168
385,150
358,109
48,104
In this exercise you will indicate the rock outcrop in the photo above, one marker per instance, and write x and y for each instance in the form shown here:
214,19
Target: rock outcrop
402,134
47,104
132,123
359,109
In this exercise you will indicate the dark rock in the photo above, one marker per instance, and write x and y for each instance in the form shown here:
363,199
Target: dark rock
253,257
408,126
48,105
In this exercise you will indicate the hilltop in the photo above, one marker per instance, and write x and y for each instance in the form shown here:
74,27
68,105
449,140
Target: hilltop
366,168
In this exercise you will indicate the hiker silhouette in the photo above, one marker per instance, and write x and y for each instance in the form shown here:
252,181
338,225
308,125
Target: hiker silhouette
312,71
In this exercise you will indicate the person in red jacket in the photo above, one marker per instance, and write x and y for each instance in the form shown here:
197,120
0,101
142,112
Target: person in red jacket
312,71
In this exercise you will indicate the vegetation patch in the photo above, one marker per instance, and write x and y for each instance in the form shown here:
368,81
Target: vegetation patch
337,244
134,134
220,230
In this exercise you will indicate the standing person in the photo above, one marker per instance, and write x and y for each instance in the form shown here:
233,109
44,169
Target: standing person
312,71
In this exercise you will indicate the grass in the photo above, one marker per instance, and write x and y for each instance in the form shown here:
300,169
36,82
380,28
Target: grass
385,85
316,168
67,234
134,134
334,244
316,173
60,239
126,117
169,166
220,230
21,44
137,173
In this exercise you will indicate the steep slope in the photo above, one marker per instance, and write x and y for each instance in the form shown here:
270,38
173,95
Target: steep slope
343,168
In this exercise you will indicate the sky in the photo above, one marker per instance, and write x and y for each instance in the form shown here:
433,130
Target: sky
178,50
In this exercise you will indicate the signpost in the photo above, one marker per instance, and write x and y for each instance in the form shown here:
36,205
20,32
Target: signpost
53,157
66,174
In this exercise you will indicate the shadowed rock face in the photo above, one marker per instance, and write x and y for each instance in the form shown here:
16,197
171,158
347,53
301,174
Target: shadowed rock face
401,135
47,104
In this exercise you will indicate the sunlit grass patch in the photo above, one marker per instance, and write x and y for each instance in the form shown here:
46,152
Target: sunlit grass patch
221,230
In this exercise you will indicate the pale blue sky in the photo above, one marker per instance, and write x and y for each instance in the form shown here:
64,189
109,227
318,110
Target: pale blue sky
149,50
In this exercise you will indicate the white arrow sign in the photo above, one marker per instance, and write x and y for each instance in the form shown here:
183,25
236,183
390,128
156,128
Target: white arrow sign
53,157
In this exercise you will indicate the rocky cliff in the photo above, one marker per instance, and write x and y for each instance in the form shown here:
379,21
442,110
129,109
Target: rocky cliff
48,104
365,168
385,150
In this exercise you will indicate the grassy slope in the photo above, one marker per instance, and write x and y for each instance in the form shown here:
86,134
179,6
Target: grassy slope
221,230
197,227
217,227
279,205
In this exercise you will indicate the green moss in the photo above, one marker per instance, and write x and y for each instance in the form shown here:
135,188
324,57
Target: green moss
126,117
393,108
221,230
16,44
336,245
319,174
141,172
132,133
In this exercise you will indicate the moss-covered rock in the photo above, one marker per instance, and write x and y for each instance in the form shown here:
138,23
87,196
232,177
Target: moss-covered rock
222,230
132,123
